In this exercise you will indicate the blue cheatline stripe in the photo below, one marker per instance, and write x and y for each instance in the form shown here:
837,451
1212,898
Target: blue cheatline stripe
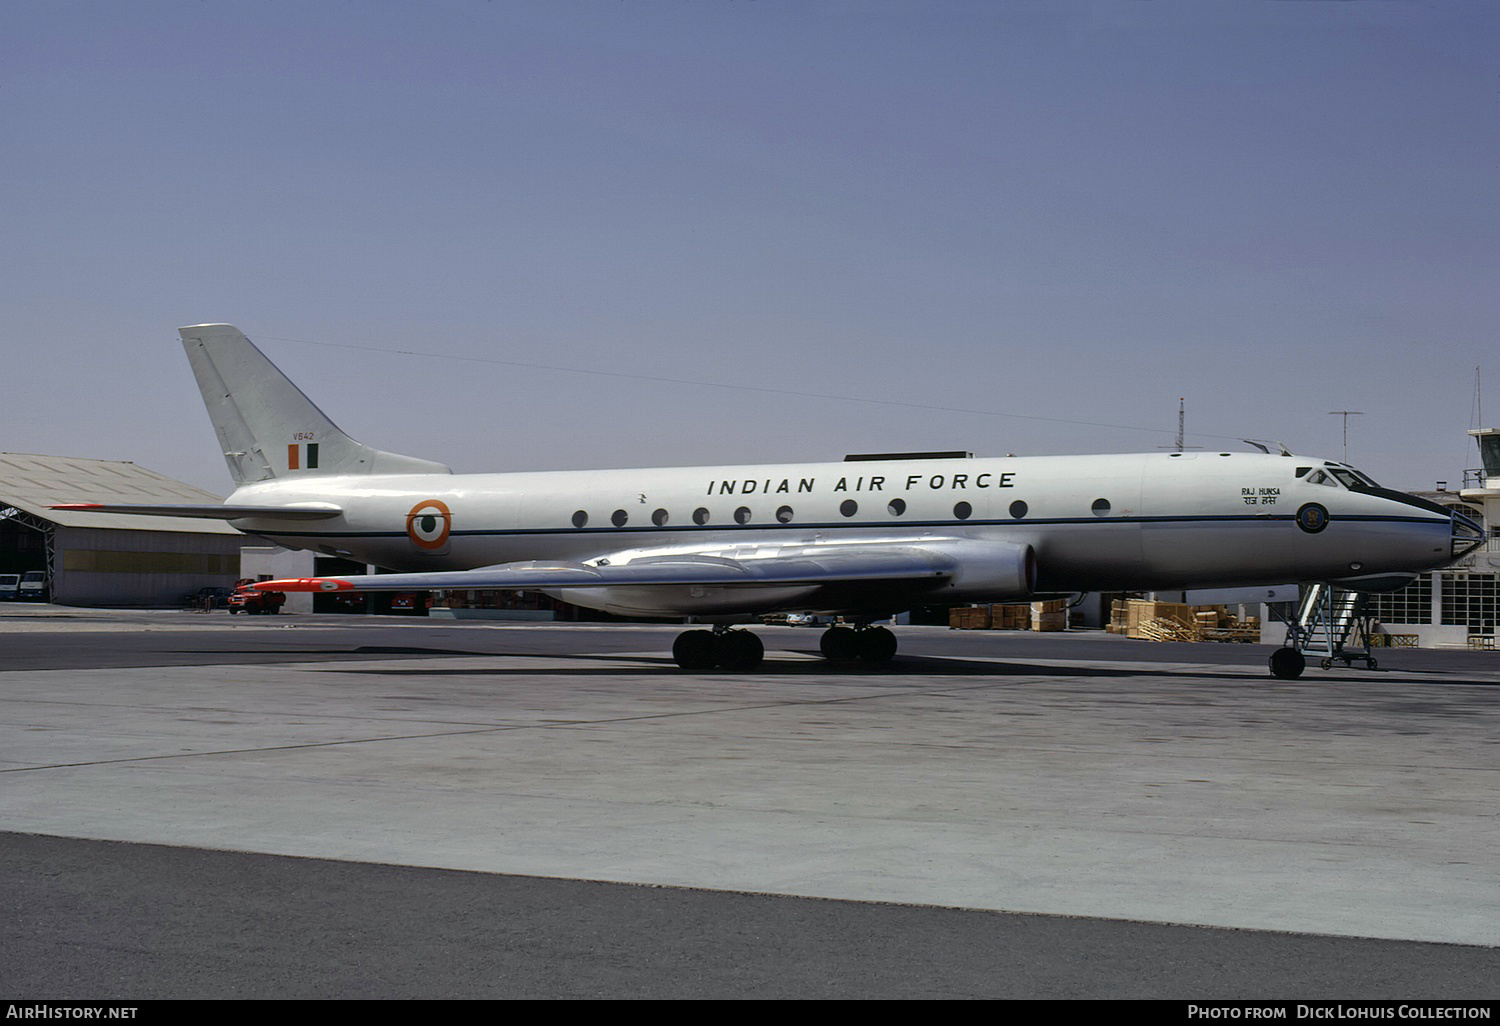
868,525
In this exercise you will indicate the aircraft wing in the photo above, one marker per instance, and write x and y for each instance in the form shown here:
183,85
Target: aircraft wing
298,511
862,564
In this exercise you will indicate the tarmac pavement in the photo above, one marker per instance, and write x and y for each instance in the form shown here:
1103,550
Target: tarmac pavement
1008,786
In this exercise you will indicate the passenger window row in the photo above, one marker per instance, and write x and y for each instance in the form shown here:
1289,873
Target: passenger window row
848,508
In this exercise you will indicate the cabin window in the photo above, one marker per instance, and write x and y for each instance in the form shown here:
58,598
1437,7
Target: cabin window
963,510
784,514
1100,507
581,518
742,515
619,518
700,516
659,518
849,507
896,507
1018,509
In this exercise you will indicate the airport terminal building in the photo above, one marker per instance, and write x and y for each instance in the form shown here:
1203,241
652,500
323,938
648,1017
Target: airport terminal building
1457,606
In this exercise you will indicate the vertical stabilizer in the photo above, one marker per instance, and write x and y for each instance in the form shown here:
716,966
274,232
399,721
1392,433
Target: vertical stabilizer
266,426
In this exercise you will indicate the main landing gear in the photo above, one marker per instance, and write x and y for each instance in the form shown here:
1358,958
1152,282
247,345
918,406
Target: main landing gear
740,650
863,643
721,647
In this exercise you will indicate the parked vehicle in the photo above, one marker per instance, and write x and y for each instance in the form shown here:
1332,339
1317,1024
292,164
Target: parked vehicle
10,587
410,603
33,586
246,598
209,598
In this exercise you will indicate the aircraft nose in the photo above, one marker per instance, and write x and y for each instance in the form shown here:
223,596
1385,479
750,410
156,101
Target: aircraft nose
1467,535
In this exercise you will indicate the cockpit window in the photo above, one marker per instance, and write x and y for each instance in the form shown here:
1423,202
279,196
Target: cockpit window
1319,478
1344,473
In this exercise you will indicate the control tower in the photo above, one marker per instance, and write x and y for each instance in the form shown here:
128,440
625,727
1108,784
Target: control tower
1487,495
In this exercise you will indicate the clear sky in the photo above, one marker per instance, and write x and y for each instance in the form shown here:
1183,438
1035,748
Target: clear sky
518,235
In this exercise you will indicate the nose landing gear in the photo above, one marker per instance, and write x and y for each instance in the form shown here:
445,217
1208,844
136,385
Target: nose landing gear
1287,663
1331,625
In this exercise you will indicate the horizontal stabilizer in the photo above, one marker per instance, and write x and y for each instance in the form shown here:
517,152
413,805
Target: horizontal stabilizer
299,511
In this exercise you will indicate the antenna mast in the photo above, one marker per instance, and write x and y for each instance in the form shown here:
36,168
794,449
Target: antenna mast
1346,414
1181,428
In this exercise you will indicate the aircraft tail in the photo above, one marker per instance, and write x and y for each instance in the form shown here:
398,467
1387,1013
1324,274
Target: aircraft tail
268,429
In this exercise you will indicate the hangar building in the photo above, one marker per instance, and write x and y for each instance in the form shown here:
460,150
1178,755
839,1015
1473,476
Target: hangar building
99,559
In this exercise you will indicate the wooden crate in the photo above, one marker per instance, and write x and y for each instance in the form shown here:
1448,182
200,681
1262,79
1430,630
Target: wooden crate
969,618
1010,616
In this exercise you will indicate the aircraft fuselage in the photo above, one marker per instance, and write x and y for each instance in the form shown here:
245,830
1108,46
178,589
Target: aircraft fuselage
1094,523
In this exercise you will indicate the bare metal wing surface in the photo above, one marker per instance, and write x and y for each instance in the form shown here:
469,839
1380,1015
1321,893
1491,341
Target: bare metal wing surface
298,511
875,564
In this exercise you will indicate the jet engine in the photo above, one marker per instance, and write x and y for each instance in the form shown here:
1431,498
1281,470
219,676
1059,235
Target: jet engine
987,571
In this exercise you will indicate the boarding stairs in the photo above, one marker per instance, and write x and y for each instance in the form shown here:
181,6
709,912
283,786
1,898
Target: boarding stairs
1332,624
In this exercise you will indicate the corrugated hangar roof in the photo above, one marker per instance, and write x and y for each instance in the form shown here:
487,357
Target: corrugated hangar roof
32,483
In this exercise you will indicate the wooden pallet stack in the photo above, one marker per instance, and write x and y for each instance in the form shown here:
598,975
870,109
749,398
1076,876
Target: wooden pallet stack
1010,616
1149,620
1159,621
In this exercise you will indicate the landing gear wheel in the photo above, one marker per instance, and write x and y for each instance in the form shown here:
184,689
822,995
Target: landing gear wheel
739,650
1287,663
839,644
695,650
1326,664
876,645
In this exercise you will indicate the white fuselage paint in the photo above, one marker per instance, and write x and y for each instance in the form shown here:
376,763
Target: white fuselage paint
1172,521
